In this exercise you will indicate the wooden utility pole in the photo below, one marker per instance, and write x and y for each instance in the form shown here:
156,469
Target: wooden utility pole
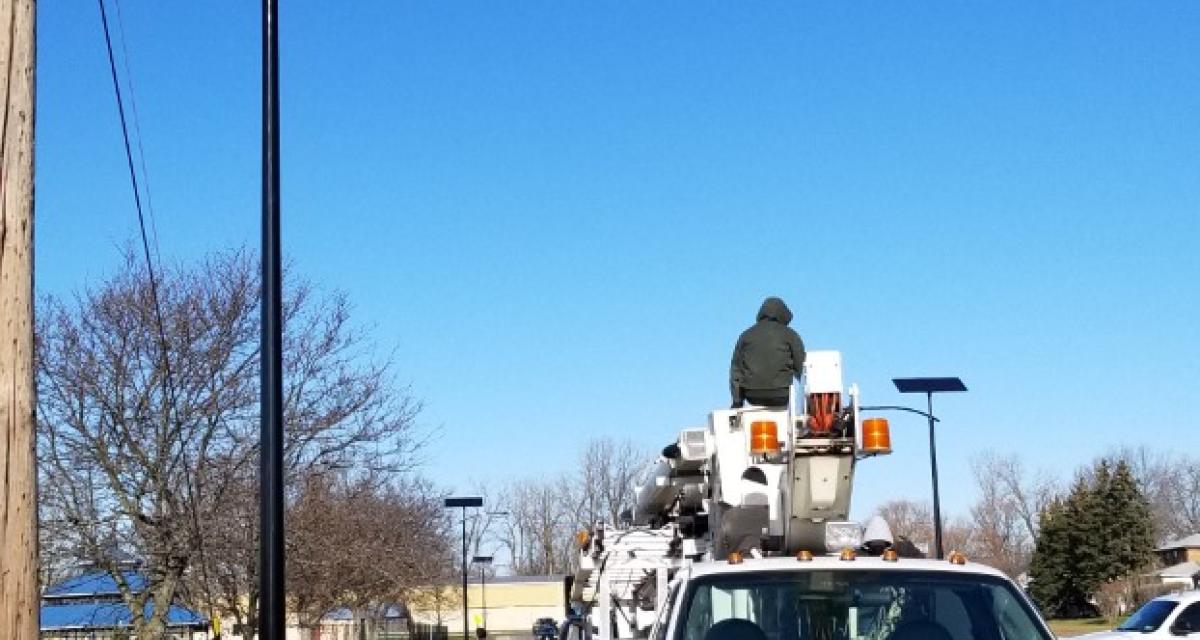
19,606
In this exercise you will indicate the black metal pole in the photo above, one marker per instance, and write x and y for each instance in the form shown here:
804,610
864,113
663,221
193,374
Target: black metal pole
466,623
483,592
271,558
937,505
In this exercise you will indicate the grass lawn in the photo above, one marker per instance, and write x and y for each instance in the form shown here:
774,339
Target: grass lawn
1068,628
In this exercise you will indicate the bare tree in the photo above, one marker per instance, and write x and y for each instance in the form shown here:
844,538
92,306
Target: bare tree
910,520
1000,537
1005,513
913,521
148,422
538,531
1184,498
56,556
544,514
1027,492
225,578
959,534
483,526
442,598
603,484
360,542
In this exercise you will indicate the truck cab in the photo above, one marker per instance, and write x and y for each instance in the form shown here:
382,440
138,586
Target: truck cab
845,598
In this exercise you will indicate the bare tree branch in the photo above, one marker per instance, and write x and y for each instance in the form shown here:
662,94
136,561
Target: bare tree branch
166,468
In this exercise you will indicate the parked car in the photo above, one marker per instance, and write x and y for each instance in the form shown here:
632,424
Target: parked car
545,628
1171,616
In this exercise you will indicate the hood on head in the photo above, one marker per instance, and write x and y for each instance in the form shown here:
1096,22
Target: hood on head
774,309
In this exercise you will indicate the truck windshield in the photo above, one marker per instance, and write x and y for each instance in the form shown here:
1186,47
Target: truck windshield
1150,617
856,605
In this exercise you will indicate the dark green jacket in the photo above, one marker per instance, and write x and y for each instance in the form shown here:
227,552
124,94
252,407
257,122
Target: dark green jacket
769,354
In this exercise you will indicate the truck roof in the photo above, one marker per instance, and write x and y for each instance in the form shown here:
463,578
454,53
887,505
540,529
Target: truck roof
1182,596
834,563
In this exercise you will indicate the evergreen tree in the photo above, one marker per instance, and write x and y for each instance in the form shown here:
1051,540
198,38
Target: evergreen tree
1129,528
1048,574
1085,544
1100,532
1091,528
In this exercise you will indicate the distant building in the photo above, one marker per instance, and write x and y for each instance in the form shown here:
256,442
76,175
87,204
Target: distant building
1181,562
507,606
89,606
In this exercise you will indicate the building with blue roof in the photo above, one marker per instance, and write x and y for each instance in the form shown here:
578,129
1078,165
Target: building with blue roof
89,605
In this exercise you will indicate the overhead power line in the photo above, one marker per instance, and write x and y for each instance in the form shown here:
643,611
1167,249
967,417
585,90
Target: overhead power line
137,134
137,201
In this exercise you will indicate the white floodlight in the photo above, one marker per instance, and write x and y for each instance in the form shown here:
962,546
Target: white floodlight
843,535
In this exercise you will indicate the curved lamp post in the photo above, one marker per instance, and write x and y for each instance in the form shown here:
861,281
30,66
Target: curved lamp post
927,386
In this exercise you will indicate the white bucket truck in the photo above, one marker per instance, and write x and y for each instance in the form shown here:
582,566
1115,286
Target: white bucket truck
740,532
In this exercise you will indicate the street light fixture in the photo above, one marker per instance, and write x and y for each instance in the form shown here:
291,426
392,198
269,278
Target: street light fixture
464,502
483,561
489,514
930,386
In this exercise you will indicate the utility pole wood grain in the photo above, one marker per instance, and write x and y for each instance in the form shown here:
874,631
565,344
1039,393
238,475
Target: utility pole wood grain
19,606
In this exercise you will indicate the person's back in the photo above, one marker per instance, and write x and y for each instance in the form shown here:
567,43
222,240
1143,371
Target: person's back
767,356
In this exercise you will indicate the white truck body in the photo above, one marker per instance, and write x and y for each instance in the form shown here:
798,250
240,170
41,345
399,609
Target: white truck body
748,514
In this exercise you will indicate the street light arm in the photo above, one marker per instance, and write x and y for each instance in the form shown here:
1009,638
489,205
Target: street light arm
937,512
896,408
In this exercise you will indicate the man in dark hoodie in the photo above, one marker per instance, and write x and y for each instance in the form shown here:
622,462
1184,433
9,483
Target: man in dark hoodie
766,358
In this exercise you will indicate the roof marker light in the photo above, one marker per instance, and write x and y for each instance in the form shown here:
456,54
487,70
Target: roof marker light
804,556
890,555
735,557
847,555
957,557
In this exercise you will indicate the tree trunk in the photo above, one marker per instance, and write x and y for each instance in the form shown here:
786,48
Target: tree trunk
19,605
155,625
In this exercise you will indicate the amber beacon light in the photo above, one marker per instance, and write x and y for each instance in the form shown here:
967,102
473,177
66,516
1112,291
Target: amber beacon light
764,437
876,438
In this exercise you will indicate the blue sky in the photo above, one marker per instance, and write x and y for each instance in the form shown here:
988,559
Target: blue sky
560,215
